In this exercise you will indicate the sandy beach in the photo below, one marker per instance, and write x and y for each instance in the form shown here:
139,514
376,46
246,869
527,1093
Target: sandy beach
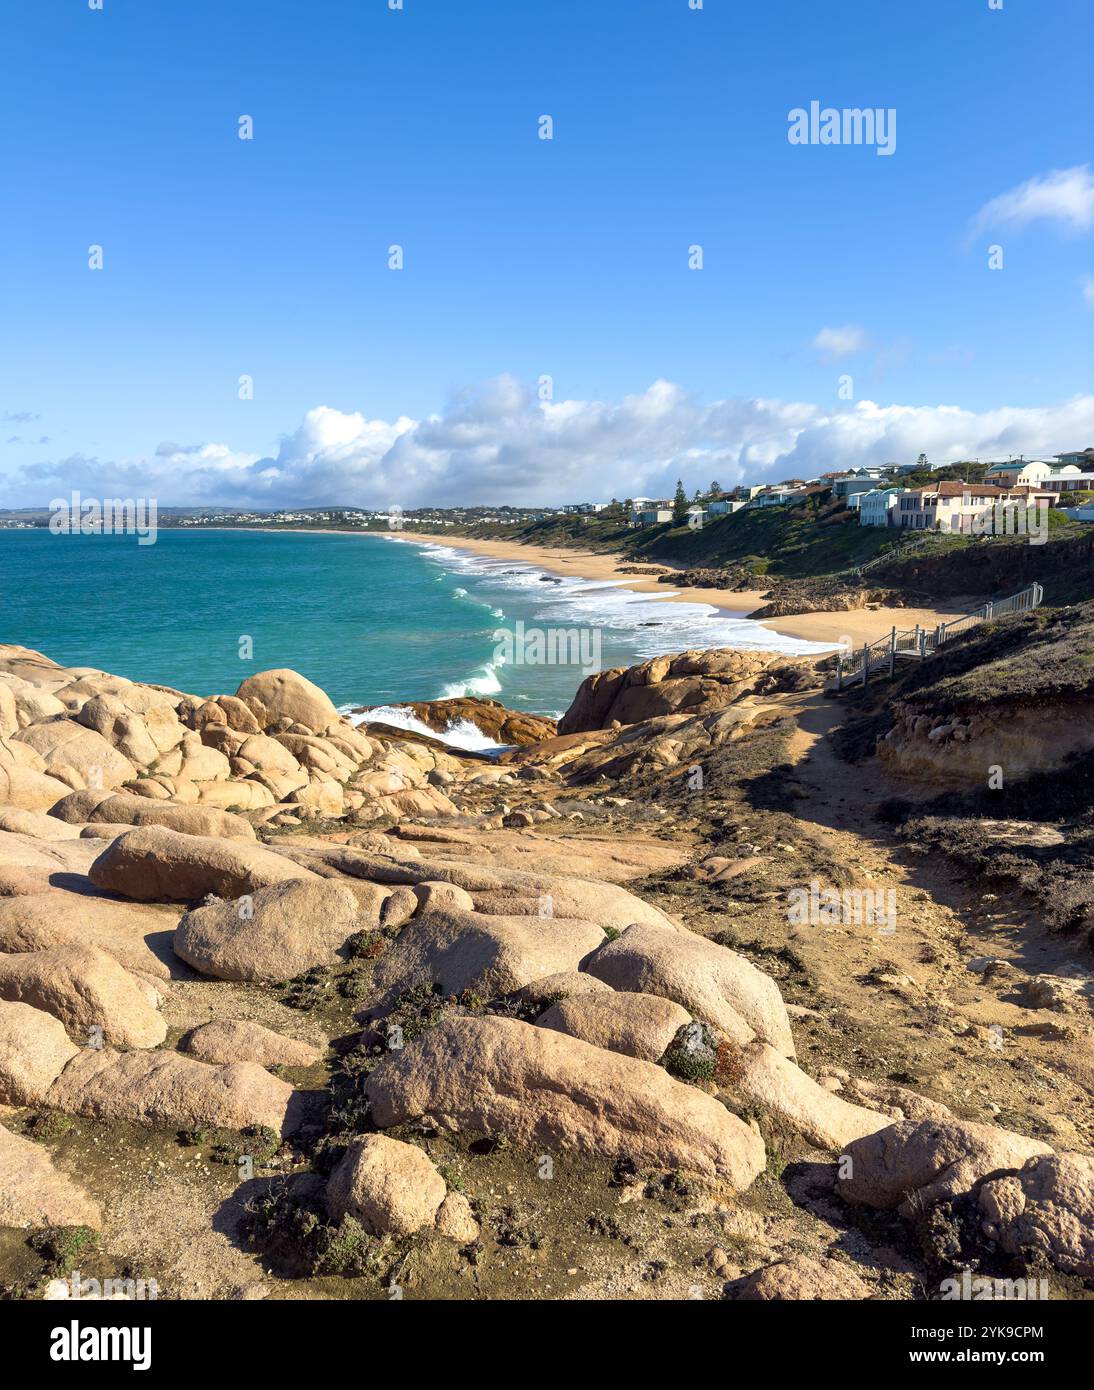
860,625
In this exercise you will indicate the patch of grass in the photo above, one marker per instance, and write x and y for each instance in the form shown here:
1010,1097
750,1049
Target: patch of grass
62,1248
49,1125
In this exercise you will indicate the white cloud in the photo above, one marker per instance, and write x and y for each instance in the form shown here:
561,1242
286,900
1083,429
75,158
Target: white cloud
498,443
1063,195
1087,283
836,343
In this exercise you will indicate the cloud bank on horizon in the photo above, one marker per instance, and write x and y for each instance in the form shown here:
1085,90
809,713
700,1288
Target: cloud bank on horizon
499,443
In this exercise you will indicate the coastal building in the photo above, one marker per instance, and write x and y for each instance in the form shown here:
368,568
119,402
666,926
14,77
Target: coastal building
1078,458
777,496
651,516
1022,472
877,508
725,506
953,506
1069,478
858,480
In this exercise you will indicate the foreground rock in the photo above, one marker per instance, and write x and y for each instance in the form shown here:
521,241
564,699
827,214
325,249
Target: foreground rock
715,984
92,995
1047,1208
539,1087
120,808
130,933
232,1040
488,954
772,1082
802,1278
33,1191
164,1088
34,1050
271,935
160,865
638,1025
282,694
691,682
910,1166
391,1188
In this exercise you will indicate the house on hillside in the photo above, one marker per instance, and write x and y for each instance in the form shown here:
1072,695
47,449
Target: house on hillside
857,480
953,506
651,516
878,508
1078,458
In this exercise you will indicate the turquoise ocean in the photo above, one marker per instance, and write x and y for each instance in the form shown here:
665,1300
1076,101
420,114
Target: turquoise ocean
373,619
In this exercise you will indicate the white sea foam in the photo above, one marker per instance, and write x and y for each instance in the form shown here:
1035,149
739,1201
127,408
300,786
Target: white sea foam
459,734
644,621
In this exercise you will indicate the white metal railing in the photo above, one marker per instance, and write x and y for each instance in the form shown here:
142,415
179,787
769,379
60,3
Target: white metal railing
899,550
858,665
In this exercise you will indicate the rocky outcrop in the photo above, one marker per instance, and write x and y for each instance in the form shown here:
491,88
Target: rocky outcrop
638,1025
92,995
910,1165
160,865
1046,1209
693,682
802,1278
712,982
273,696
490,717
164,1088
136,936
34,1050
485,953
544,1089
270,935
92,808
231,1040
35,1193
391,1188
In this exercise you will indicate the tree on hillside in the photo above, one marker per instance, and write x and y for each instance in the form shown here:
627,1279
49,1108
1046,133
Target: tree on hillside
679,503
715,490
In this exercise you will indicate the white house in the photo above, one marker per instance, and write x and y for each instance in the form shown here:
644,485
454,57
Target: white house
1019,472
953,506
1069,478
652,516
860,480
877,508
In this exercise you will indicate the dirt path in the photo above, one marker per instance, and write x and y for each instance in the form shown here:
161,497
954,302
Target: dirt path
964,1034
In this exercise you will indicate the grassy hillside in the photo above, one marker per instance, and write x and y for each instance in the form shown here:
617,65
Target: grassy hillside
813,538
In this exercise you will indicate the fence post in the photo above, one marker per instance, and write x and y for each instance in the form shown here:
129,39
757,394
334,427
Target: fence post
989,606
865,661
839,672
892,650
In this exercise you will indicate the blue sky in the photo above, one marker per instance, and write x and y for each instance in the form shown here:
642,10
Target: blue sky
527,257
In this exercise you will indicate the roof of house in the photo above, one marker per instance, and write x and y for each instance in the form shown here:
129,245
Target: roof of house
952,489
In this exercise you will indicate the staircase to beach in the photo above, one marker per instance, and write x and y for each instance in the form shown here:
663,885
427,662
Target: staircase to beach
880,658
